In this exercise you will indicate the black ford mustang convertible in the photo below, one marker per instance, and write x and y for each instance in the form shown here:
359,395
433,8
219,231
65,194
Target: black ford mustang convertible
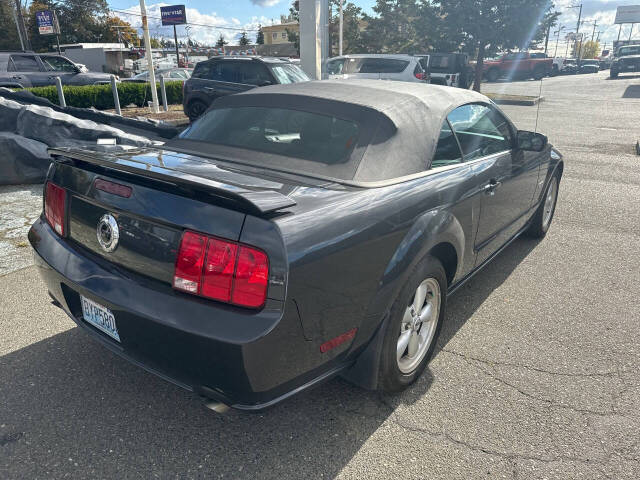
291,234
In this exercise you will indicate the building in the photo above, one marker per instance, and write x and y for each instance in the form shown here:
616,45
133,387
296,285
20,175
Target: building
277,34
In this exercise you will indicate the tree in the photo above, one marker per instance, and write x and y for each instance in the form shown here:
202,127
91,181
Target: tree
351,21
155,43
244,40
489,26
221,42
589,49
128,34
9,39
260,36
294,37
393,29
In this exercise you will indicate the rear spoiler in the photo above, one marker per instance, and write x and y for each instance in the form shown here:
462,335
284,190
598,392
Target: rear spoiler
258,201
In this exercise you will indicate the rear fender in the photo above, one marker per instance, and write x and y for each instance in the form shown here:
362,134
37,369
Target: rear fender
430,229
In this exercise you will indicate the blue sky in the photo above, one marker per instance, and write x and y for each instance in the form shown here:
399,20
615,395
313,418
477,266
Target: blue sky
248,14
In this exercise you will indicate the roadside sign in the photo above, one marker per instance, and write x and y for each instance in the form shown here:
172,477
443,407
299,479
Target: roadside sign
173,15
573,36
628,14
47,22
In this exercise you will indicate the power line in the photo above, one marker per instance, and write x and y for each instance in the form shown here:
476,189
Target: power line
239,29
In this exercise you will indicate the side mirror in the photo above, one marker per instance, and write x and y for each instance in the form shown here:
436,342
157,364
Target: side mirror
265,83
530,141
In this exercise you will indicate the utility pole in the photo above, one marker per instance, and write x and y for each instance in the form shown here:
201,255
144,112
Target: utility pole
147,46
340,16
557,32
22,26
595,24
175,39
15,19
118,29
598,37
578,31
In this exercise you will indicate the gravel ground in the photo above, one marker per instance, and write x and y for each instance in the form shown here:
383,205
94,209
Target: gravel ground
535,376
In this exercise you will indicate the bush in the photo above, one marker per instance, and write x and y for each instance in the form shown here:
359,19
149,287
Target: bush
101,96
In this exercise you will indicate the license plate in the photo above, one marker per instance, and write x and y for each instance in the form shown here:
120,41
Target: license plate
100,317
631,67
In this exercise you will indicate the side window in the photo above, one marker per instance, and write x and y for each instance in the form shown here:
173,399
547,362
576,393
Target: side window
24,63
58,64
252,73
447,150
202,70
481,130
383,65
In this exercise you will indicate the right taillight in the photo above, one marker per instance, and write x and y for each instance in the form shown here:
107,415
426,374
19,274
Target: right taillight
221,270
55,199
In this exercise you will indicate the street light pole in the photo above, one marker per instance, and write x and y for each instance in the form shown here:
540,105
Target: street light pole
147,46
557,40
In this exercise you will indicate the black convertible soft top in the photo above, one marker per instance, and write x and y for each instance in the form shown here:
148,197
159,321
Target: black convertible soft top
404,120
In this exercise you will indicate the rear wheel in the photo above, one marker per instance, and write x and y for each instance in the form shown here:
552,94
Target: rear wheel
414,325
544,215
195,109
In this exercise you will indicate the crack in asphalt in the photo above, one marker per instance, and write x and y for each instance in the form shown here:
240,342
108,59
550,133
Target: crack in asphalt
493,363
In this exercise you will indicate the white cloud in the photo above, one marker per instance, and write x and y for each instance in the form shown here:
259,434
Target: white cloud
204,27
265,3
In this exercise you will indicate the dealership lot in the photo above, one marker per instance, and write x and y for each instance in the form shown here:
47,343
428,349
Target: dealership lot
536,374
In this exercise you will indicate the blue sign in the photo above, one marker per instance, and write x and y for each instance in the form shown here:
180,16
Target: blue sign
173,15
47,22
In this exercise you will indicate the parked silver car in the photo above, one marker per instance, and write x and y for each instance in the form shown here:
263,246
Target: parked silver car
405,68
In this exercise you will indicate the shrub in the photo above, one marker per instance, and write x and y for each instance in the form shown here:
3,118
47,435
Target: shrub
101,96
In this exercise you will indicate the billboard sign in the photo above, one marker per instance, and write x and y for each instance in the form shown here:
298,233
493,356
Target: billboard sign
173,15
47,22
628,14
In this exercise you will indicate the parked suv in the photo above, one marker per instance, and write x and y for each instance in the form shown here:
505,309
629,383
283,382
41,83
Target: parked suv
626,59
450,69
28,69
406,68
221,76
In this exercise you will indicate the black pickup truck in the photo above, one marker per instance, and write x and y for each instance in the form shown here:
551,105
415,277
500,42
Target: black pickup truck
626,59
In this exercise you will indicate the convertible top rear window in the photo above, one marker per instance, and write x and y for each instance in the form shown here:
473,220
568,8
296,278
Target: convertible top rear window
308,136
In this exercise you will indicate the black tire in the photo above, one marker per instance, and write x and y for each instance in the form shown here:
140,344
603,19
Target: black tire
391,378
539,225
195,109
493,74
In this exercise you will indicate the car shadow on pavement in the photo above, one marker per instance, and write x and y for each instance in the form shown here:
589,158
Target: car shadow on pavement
632,91
70,407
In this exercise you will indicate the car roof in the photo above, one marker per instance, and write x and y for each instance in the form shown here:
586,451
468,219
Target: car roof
410,116
397,56
249,58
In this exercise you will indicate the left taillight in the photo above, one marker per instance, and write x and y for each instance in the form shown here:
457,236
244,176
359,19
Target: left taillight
221,270
55,206
420,75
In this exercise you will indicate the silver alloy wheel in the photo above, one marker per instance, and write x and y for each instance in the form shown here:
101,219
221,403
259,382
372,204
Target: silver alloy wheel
418,325
549,203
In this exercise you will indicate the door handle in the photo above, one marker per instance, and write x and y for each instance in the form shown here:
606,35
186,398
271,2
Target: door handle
17,77
490,188
209,89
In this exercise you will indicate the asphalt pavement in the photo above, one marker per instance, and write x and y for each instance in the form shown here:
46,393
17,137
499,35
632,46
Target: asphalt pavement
536,373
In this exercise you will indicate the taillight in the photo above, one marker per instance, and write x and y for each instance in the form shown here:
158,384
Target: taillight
55,199
221,270
420,75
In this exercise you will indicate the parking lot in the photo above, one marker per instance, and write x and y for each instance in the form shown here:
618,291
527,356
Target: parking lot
535,375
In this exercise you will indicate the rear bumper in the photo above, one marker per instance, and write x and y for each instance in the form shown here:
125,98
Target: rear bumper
248,360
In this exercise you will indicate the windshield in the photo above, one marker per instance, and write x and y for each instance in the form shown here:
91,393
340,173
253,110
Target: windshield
291,133
59,64
626,51
288,73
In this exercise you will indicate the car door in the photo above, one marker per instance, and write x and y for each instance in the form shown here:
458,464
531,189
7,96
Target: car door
506,177
27,70
61,67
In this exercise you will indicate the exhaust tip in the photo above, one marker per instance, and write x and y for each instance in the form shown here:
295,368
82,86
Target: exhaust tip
217,407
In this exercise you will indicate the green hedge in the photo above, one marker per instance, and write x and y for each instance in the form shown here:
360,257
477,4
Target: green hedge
101,96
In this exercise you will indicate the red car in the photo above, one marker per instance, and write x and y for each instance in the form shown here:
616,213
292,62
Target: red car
520,64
